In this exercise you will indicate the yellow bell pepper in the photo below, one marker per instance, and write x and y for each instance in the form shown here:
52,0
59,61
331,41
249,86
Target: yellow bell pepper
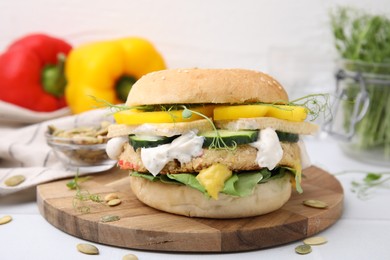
286,112
106,71
213,178
135,117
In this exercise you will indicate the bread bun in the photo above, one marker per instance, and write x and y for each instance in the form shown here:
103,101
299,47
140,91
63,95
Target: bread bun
219,86
305,128
183,200
161,129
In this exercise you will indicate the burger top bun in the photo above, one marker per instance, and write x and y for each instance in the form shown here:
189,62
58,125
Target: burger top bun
191,86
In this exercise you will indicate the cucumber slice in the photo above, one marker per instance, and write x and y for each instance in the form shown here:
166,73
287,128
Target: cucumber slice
287,137
142,141
230,137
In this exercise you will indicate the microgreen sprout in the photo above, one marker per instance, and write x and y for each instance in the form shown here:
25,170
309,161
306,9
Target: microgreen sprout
105,103
315,104
218,142
370,181
186,113
168,110
81,196
74,184
121,107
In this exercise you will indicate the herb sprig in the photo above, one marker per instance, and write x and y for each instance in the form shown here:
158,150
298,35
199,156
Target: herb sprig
315,105
371,180
81,195
121,107
218,142
361,36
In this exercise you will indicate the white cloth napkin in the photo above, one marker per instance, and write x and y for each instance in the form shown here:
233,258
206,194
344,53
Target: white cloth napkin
24,151
13,115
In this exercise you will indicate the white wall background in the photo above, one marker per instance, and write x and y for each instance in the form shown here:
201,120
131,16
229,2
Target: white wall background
291,40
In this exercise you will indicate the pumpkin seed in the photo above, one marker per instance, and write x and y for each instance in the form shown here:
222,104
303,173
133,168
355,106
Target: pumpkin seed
88,249
111,196
129,257
315,204
303,249
5,220
14,180
82,135
109,218
114,202
313,241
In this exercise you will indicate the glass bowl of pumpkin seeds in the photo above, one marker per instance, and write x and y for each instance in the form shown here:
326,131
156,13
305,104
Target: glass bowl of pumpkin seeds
81,148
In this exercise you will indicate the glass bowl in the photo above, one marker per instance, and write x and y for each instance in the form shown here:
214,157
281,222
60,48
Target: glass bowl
81,153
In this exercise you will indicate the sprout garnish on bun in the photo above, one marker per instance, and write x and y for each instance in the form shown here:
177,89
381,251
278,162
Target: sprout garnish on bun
215,143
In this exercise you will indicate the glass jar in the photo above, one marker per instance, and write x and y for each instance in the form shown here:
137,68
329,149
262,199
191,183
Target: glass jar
361,111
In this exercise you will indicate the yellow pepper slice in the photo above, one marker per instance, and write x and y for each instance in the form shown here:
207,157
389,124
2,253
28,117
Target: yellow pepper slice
213,178
135,117
286,112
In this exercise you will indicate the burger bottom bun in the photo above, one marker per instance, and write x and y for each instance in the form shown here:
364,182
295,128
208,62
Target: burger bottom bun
183,200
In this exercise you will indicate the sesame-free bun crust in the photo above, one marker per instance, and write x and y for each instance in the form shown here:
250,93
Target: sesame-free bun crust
183,200
192,86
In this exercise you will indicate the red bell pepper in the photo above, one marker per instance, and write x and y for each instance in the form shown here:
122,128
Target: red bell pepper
31,73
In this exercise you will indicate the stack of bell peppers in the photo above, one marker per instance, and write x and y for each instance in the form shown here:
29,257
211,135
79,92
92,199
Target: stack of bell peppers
42,73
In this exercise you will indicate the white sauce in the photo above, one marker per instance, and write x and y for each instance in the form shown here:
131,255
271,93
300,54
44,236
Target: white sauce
252,124
182,148
269,150
115,146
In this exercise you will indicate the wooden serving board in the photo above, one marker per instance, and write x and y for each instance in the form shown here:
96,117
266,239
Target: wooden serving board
142,227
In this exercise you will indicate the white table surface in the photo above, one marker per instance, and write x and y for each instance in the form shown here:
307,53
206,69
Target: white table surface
363,232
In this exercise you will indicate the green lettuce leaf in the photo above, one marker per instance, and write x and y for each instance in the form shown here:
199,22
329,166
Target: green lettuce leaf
267,174
165,179
229,185
298,176
189,180
242,184
146,176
